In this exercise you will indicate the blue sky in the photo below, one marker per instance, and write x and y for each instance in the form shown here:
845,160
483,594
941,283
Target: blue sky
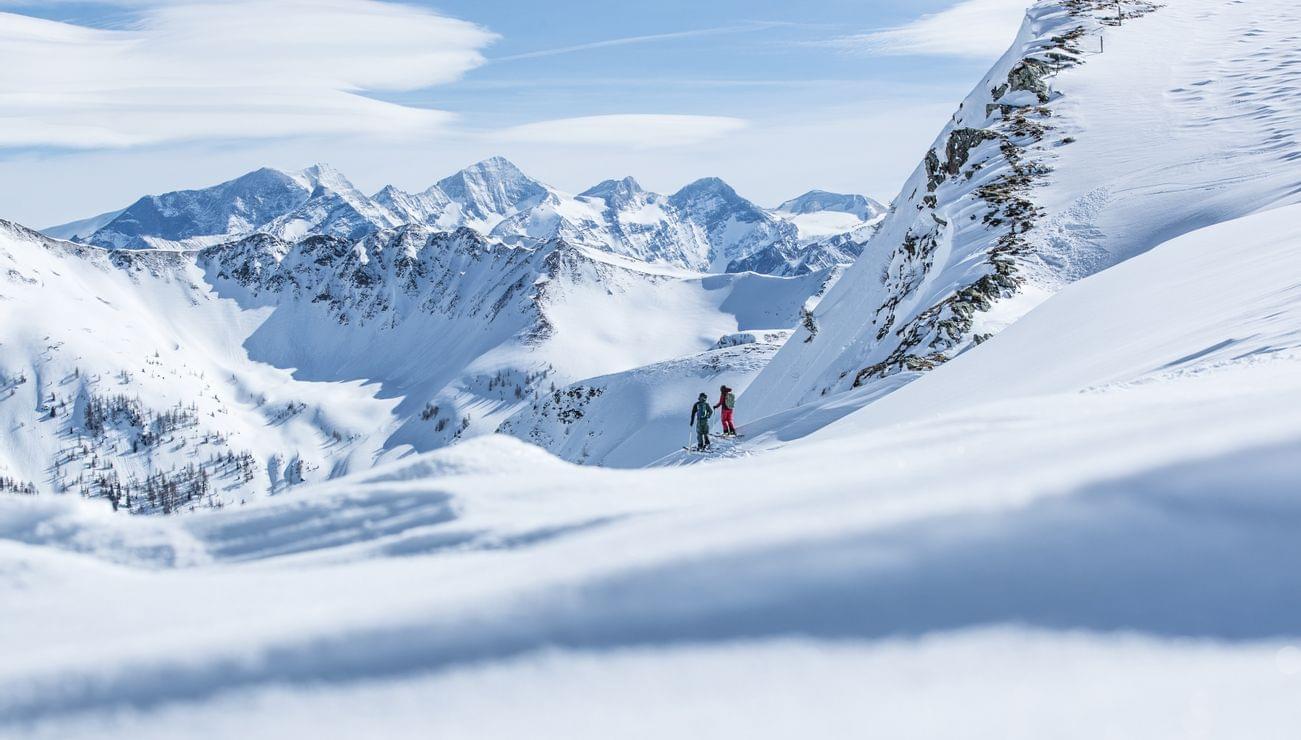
134,96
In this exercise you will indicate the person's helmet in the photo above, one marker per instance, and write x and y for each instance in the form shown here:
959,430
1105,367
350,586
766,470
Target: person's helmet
704,396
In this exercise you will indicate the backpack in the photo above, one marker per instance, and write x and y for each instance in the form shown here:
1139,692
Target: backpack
729,402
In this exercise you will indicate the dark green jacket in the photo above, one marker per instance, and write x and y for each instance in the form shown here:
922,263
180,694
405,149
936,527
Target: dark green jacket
700,414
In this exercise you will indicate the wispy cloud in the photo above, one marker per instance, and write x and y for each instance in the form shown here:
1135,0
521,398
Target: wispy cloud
228,69
972,28
636,131
645,39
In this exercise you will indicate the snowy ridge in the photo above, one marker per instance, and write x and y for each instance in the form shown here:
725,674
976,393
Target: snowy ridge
1064,161
488,191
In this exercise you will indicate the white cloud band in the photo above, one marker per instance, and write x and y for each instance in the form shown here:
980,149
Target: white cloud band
972,28
234,69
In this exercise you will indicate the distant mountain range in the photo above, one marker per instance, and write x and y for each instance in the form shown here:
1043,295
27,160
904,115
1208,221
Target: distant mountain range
706,226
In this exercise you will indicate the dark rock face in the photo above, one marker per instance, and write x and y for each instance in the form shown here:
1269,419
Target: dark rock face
960,144
809,323
1029,75
934,173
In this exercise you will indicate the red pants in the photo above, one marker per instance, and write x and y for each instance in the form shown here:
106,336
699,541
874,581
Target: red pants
728,427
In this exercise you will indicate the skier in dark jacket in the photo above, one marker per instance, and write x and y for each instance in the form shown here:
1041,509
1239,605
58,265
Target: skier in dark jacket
700,414
727,402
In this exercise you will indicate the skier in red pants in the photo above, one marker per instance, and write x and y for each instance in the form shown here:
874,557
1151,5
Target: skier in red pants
727,402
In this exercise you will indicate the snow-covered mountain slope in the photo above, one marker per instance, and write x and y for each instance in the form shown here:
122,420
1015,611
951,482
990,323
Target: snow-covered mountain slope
412,208
123,376
334,208
706,227
617,216
1098,502
818,213
239,206
1065,160
467,329
311,358
633,418
485,193
821,201
733,227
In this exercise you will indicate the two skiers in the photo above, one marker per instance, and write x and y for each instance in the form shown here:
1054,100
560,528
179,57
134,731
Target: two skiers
702,412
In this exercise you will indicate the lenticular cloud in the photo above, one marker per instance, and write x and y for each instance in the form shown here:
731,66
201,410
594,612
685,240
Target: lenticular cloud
243,69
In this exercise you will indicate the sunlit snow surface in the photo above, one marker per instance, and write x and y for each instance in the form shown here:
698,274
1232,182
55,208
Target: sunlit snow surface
1088,522
1088,526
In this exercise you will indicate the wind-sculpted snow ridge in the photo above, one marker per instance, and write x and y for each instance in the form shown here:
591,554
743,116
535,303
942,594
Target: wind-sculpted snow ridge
704,227
171,380
1122,521
1091,141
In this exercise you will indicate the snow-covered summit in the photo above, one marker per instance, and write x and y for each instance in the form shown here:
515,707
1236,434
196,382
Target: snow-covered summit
712,199
616,193
237,206
335,207
733,227
489,190
321,176
818,201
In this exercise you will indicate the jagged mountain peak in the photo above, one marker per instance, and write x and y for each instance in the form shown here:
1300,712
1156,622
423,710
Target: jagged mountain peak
490,170
490,189
322,177
619,190
712,200
706,186
389,191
